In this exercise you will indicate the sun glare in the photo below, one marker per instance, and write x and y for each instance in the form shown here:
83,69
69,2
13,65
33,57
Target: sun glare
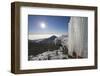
43,25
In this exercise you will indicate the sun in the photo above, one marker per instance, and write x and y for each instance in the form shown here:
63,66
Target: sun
43,25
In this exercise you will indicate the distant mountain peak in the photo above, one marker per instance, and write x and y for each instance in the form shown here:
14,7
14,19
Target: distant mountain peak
53,37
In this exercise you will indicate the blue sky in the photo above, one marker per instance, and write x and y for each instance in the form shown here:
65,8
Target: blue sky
53,24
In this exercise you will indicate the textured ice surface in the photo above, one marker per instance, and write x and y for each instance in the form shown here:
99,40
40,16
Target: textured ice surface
78,36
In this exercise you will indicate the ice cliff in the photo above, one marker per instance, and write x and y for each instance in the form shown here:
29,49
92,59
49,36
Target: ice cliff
78,36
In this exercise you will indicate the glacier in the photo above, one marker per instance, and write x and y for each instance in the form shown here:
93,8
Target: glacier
78,36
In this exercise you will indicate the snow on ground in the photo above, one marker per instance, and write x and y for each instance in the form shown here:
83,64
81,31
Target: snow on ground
60,53
50,55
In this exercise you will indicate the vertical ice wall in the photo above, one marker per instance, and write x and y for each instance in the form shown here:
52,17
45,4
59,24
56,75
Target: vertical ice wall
78,36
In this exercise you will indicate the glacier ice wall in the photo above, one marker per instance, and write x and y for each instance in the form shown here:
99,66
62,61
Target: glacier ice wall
78,36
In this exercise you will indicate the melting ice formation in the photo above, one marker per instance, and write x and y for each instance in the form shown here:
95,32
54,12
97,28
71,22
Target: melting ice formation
74,44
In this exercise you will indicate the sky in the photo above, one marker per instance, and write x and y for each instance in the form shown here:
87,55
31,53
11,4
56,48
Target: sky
48,24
